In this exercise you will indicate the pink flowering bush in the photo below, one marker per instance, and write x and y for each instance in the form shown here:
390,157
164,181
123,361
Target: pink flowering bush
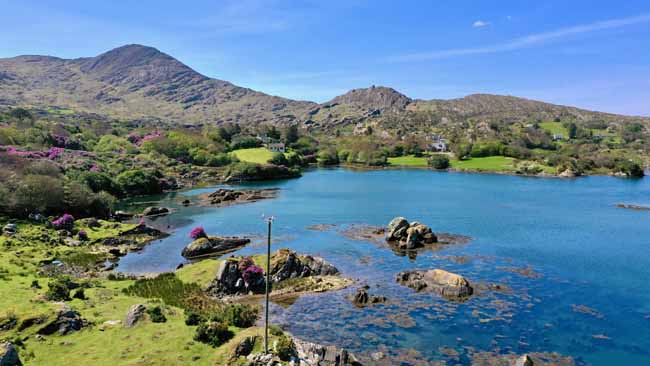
64,222
54,153
197,233
134,138
252,274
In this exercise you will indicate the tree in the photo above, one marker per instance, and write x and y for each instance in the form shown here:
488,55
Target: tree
438,161
291,134
278,158
572,129
20,113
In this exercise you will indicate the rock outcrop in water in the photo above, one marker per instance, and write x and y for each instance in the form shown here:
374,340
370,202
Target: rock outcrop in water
213,245
363,299
227,197
409,236
307,354
240,276
447,284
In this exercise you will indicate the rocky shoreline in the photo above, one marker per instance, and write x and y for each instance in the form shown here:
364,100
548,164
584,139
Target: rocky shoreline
227,197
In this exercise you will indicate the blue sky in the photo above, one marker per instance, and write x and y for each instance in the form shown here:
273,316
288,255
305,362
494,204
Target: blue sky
592,54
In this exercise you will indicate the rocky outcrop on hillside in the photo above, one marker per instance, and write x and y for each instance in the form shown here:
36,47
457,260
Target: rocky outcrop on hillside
9,355
67,321
447,284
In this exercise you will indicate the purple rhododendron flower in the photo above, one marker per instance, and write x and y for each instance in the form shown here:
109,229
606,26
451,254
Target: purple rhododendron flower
197,233
54,153
251,273
64,222
82,235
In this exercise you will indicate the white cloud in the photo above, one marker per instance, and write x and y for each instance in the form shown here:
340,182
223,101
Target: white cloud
531,40
480,24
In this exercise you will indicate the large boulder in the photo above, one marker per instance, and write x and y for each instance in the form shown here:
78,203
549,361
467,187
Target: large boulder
135,314
67,321
287,264
9,355
312,354
362,298
447,284
155,211
213,245
409,236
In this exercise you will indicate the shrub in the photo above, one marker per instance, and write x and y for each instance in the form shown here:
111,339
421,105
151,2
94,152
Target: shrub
284,348
82,235
139,182
327,157
213,333
252,273
197,232
294,159
278,158
438,161
239,315
38,193
98,182
79,294
275,330
193,318
245,142
156,315
630,168
58,290
65,222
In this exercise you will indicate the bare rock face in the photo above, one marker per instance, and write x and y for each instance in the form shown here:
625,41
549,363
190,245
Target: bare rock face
312,354
66,321
213,245
409,236
524,360
134,315
9,355
240,276
287,264
447,284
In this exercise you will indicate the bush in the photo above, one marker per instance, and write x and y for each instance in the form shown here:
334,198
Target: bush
156,315
193,318
630,168
327,157
98,182
38,193
213,333
438,161
278,158
58,290
294,159
65,222
245,142
79,294
250,171
284,348
82,235
139,182
239,315
487,149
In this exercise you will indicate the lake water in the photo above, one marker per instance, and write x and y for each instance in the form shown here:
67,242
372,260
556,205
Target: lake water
585,293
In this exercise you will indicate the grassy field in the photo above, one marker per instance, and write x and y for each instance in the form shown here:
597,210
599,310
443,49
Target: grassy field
408,160
490,163
258,155
554,128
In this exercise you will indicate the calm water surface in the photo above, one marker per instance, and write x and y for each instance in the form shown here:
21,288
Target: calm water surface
588,296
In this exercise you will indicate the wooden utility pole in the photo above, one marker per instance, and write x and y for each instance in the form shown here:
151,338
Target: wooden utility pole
269,221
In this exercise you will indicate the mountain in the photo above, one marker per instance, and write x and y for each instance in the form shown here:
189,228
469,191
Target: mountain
135,82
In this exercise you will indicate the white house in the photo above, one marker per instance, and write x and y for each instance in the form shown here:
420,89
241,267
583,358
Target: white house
438,143
276,147
558,137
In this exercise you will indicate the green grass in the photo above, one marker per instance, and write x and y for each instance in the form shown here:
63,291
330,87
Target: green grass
258,155
408,160
490,163
555,128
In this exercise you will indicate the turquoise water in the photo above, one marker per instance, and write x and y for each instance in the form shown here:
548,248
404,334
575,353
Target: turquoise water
589,299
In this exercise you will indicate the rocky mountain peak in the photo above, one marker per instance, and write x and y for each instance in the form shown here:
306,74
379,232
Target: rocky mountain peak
377,97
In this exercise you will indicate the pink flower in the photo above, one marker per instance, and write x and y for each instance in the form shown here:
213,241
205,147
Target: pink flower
251,273
54,152
64,222
82,235
197,233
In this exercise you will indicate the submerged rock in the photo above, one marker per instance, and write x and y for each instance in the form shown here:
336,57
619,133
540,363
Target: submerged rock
67,321
445,283
134,315
9,355
362,298
409,236
213,245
